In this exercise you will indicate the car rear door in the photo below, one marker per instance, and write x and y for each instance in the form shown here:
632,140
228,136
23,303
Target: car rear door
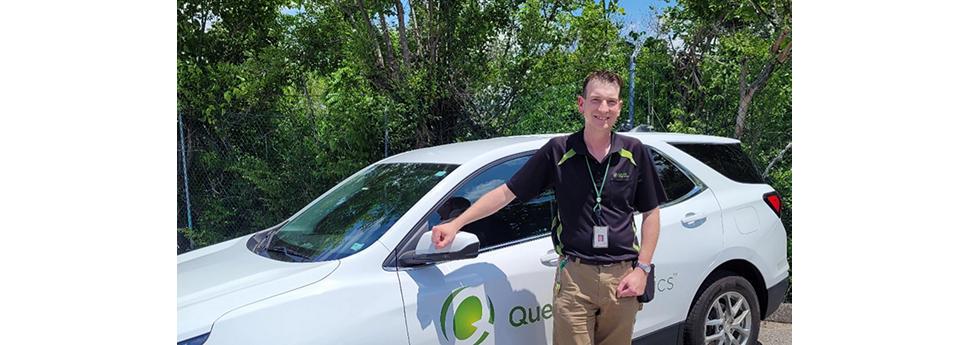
691,236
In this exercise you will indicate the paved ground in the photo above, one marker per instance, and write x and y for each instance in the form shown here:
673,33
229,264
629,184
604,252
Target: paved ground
778,328
776,333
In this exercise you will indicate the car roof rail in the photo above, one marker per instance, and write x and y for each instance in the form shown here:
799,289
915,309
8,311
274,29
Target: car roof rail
642,128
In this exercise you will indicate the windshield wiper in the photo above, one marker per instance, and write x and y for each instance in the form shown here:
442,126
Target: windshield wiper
262,245
291,254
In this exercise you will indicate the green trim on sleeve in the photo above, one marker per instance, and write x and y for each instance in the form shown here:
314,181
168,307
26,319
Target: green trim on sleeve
559,248
556,227
637,239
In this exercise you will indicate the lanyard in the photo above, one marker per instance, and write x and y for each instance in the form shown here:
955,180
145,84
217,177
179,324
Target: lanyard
598,189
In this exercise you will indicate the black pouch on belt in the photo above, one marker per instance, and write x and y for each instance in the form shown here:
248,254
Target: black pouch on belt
649,293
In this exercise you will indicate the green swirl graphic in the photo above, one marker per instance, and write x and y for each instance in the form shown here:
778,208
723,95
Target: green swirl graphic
469,311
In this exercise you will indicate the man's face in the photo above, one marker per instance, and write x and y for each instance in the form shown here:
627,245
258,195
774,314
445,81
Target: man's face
600,105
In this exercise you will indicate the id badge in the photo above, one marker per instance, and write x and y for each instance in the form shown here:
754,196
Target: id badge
600,237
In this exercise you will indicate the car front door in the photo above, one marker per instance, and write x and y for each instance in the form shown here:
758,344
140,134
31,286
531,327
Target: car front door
503,296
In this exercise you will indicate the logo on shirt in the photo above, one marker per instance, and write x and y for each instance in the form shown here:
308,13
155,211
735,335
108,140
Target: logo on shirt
620,176
464,311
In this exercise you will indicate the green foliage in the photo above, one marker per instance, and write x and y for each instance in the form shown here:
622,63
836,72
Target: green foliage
200,237
277,108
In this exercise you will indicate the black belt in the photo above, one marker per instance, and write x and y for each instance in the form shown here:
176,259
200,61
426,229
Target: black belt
595,262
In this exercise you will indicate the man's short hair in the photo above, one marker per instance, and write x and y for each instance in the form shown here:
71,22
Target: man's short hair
602,76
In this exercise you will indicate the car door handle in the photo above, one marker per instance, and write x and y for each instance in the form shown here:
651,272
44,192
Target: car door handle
692,220
551,259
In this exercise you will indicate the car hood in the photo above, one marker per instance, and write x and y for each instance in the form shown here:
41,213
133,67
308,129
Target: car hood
215,280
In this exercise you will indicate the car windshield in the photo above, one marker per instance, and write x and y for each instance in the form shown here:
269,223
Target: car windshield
355,214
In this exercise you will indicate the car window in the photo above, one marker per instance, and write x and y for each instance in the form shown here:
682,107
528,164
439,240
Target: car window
354,215
675,182
727,159
518,220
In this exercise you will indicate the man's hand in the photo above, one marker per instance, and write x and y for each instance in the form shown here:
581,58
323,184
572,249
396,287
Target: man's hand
633,284
443,234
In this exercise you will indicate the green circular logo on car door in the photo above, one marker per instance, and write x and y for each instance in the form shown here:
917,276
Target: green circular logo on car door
466,321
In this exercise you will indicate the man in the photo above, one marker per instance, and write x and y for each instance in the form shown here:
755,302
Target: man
600,178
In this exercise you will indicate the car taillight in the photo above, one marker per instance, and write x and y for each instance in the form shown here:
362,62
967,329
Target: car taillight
773,199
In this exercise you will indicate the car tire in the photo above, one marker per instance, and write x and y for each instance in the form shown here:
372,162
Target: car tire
709,316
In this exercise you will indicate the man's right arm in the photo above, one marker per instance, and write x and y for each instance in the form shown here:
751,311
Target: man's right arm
487,205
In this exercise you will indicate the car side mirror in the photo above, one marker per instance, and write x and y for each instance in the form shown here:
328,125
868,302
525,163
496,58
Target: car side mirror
465,246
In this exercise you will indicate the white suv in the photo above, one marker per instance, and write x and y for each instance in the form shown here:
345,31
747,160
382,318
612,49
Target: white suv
356,265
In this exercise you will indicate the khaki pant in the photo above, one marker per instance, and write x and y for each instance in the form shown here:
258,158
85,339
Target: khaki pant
587,309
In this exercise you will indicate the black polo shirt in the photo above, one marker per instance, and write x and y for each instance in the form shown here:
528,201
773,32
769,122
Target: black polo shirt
632,185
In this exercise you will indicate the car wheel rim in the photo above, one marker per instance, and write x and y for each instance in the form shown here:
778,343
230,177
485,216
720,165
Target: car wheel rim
728,320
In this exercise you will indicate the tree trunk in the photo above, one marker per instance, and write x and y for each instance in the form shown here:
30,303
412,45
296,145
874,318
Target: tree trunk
766,171
371,32
402,28
433,32
744,101
778,57
417,32
744,106
391,61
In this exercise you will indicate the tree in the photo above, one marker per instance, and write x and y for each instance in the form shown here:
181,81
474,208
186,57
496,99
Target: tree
279,106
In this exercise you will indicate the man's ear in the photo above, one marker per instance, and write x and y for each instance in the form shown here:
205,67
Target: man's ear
581,104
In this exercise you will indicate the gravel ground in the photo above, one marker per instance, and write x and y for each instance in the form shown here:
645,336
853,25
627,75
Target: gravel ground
778,328
776,333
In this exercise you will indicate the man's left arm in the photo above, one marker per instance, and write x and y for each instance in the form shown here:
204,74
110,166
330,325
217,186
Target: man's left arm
633,284
648,196
650,236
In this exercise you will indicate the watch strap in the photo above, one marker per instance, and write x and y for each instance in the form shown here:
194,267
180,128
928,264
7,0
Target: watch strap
645,268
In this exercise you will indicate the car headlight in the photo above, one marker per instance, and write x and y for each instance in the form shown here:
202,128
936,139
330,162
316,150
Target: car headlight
199,340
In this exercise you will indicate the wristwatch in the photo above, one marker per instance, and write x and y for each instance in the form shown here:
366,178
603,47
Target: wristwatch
644,267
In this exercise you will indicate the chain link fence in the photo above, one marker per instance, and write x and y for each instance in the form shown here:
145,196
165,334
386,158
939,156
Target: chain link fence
246,172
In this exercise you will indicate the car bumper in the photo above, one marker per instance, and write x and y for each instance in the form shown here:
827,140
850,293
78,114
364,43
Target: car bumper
776,295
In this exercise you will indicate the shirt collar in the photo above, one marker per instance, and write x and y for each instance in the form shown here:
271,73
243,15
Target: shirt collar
576,141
